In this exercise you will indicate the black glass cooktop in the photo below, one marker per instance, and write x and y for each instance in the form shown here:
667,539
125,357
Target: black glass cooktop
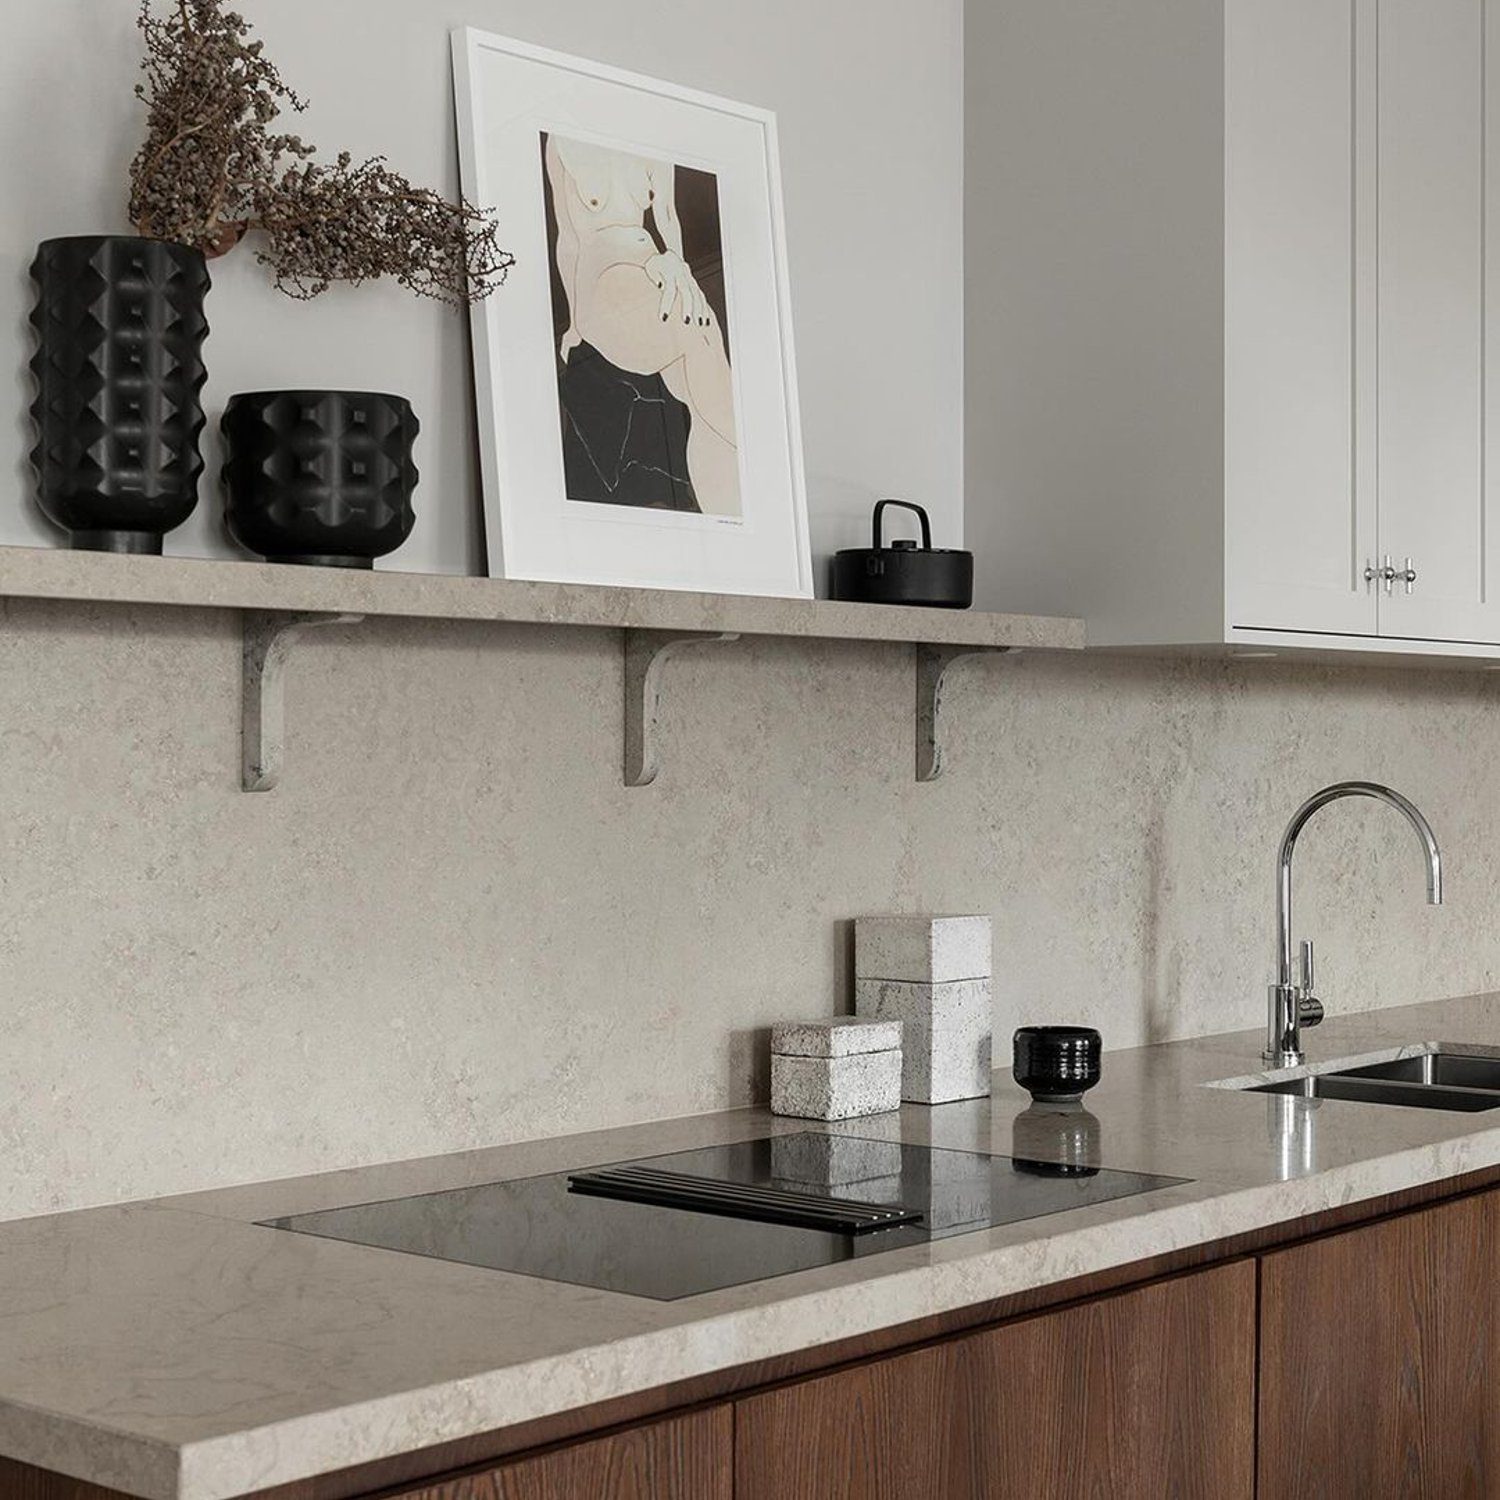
560,1228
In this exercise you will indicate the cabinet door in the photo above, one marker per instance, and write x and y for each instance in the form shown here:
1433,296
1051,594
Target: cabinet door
1436,232
687,1458
1299,266
1135,1396
1378,1360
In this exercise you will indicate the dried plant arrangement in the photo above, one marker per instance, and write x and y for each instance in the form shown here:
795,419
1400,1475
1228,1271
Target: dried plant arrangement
214,168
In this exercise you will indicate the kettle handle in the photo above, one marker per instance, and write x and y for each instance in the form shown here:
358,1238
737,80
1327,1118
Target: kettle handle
921,515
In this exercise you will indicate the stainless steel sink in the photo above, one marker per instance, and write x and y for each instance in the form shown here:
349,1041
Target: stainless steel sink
1457,1070
1460,1081
1379,1091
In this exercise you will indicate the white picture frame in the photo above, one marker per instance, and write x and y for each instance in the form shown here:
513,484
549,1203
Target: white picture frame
602,182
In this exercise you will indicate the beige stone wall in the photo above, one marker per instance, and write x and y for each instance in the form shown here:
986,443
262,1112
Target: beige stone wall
452,925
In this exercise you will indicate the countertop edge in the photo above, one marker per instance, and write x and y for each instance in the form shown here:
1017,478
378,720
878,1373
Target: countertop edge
99,1454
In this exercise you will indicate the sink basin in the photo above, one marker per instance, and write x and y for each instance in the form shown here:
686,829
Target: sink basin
1447,1069
1467,1082
1362,1090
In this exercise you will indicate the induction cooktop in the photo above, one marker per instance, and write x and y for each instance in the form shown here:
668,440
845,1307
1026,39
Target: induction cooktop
695,1221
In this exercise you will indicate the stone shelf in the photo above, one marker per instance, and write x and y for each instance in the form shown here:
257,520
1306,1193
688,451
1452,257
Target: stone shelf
277,603
45,573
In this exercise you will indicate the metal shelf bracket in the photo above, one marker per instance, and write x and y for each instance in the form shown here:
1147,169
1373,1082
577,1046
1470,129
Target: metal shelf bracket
932,668
267,641
646,652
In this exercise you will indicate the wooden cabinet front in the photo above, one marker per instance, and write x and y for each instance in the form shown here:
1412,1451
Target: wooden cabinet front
687,1458
1378,1362
1144,1394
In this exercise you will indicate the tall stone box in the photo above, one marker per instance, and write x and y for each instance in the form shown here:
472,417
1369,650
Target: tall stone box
933,974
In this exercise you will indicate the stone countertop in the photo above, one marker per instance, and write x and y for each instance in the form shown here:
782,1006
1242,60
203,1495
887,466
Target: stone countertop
176,1350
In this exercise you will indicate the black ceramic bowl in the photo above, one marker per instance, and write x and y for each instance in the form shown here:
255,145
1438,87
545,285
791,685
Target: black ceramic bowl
1056,1063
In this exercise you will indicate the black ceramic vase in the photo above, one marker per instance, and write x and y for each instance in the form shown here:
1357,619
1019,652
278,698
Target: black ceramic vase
322,477
119,369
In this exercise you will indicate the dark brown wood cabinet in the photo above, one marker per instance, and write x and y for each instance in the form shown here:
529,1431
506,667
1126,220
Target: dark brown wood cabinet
687,1458
1147,1393
1378,1361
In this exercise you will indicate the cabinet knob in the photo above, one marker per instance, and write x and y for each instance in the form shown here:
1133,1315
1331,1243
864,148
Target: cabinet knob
1408,575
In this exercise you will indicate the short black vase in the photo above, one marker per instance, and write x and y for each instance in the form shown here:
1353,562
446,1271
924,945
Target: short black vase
1056,1064
319,477
119,369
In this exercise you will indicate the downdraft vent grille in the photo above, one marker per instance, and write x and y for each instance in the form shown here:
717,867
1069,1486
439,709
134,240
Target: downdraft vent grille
740,1200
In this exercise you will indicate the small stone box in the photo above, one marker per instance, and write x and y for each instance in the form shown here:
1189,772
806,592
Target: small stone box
932,974
835,1070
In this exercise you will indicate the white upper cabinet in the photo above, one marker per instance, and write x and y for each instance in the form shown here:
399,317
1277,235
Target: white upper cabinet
1352,335
1299,486
1430,321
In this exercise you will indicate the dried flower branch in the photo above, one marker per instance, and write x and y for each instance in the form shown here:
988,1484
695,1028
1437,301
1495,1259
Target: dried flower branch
212,168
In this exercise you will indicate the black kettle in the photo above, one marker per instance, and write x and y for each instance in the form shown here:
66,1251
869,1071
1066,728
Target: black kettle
904,573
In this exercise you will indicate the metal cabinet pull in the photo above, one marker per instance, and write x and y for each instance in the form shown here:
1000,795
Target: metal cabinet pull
1389,574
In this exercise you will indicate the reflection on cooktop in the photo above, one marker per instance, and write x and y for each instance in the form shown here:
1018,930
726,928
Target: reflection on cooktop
536,1226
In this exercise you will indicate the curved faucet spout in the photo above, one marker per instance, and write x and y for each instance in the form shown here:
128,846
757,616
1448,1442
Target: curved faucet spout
1288,998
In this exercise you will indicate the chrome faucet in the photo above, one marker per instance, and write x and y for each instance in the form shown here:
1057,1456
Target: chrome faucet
1293,1004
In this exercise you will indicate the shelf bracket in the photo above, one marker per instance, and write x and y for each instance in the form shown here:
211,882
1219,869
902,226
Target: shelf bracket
932,668
646,652
266,645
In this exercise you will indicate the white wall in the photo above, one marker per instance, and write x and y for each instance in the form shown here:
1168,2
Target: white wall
869,99
1094,308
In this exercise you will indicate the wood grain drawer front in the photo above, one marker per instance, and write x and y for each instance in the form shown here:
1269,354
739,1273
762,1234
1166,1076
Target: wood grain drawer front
1137,1396
1378,1359
687,1458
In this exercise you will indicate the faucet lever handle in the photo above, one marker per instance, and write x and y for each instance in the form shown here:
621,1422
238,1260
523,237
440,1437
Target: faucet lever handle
1309,1007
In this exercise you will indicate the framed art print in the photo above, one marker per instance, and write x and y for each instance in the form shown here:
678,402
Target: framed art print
636,391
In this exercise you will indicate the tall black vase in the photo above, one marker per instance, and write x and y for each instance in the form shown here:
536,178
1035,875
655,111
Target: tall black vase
321,477
119,369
